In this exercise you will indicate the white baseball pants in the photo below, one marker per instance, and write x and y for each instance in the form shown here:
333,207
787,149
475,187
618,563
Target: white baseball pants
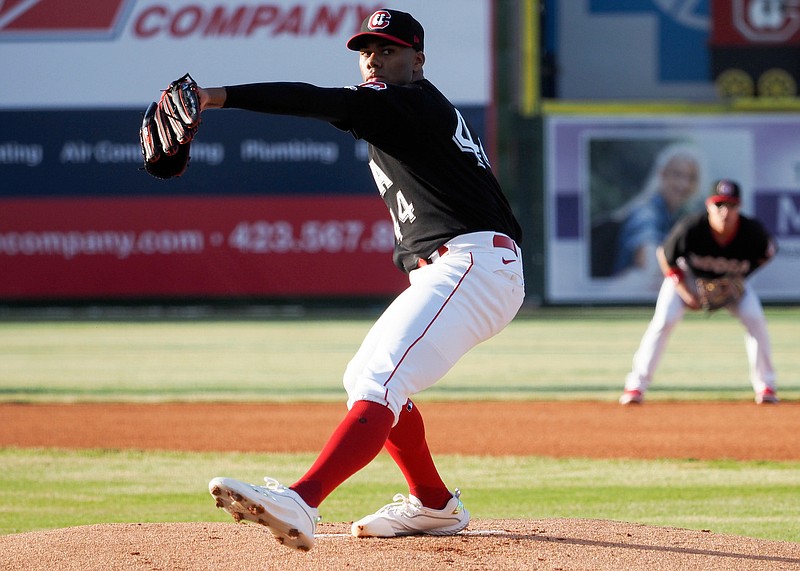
461,299
670,310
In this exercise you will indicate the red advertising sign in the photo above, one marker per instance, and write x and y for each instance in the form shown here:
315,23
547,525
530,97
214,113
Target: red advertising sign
125,248
747,22
29,19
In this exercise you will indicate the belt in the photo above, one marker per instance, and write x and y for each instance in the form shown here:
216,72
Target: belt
498,241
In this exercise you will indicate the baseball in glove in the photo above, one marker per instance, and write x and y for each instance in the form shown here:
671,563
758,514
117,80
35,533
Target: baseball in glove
716,293
168,128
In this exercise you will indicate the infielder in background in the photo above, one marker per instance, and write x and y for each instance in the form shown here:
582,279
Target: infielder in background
457,239
719,244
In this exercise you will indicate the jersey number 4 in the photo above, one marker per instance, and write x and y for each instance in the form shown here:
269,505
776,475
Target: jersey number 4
469,143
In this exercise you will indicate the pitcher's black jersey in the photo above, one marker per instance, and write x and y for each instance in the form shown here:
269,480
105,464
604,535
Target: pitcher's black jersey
428,164
692,239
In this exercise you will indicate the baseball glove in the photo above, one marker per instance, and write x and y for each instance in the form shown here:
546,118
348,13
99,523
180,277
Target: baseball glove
168,128
717,293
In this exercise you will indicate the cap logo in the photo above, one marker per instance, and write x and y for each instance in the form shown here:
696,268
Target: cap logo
379,20
725,189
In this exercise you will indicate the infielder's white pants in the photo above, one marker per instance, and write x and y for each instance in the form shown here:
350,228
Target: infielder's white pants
670,310
465,297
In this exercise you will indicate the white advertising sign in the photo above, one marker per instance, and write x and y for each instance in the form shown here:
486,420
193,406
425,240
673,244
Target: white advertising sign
118,53
607,191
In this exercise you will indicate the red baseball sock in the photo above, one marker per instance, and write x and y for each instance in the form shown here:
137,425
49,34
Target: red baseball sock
409,449
354,444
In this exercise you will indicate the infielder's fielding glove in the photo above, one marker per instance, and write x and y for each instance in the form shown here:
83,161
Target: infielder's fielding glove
721,292
168,128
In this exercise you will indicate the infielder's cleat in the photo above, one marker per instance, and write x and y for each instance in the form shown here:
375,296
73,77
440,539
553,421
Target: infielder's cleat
631,397
767,396
276,507
407,516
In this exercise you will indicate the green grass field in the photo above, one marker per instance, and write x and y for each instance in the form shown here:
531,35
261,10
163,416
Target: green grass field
554,354
545,355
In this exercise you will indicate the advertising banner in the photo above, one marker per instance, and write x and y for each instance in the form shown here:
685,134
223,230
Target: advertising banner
755,46
270,206
194,247
119,53
633,49
82,153
747,22
606,194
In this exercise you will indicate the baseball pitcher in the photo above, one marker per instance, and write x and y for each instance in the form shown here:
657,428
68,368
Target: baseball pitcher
455,237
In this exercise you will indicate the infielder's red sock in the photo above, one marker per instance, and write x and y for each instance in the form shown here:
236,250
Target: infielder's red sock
409,449
354,444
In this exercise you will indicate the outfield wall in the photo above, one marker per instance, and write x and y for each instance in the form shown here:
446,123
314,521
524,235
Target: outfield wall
277,207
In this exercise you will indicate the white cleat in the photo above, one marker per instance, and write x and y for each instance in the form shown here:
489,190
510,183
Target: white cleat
631,397
767,396
407,516
278,508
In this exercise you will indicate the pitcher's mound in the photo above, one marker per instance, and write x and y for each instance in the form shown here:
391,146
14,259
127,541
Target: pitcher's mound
551,544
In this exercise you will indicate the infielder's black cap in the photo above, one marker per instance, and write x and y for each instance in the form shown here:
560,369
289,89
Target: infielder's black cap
725,190
392,25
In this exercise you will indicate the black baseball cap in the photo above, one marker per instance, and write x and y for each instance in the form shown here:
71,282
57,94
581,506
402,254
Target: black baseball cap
392,25
725,190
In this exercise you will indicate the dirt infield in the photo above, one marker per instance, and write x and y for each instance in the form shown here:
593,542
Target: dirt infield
593,430
741,431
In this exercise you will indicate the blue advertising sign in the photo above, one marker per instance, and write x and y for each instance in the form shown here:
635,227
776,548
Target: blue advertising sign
633,49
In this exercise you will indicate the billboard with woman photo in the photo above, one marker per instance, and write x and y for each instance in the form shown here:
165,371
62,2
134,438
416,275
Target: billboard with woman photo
616,185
